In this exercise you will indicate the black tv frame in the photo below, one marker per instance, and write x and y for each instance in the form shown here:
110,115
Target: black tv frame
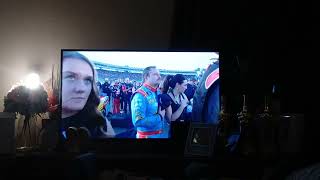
175,145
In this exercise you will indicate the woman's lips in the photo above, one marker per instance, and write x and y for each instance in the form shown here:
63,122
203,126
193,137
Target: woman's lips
78,98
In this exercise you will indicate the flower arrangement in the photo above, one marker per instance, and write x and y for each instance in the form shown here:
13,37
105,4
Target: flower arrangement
27,102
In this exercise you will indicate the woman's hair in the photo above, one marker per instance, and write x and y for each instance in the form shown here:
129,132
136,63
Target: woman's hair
165,86
171,81
90,108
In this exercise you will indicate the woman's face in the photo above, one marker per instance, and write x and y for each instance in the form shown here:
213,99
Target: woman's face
182,87
77,78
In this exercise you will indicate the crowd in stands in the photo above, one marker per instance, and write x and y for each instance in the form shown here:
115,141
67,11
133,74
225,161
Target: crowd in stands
116,75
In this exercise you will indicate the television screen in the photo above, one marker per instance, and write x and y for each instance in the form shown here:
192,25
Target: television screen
129,94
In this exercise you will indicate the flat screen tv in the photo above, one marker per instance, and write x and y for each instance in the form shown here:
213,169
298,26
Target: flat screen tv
129,94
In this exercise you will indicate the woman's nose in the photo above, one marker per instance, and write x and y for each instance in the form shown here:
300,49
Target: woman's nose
80,86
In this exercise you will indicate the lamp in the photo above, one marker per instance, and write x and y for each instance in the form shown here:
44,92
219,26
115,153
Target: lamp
32,81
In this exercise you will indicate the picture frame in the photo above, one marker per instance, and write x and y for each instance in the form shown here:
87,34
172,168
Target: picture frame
201,140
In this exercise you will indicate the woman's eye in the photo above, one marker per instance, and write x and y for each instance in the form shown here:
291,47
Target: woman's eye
88,81
71,78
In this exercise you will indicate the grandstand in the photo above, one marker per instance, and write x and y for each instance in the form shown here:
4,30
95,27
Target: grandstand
114,72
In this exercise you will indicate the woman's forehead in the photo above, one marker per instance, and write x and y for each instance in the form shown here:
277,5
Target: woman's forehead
77,66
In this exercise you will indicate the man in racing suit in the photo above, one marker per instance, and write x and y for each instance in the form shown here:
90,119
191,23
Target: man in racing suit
147,117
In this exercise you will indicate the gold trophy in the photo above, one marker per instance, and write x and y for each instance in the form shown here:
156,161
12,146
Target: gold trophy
246,131
224,122
244,115
266,130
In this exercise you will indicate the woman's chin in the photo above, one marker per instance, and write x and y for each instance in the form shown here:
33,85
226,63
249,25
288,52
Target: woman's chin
74,109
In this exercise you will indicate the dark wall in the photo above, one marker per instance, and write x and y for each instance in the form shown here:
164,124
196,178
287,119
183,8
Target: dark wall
33,32
260,44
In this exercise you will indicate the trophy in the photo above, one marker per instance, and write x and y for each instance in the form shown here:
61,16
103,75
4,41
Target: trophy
246,131
223,119
266,132
244,116
224,122
228,136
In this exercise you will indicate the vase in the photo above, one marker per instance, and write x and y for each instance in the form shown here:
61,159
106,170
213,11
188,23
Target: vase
7,130
27,132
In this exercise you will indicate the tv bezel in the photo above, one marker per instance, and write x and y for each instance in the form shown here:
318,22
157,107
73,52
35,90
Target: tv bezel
171,145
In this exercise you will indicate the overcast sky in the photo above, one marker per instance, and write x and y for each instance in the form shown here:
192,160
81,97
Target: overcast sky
187,61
